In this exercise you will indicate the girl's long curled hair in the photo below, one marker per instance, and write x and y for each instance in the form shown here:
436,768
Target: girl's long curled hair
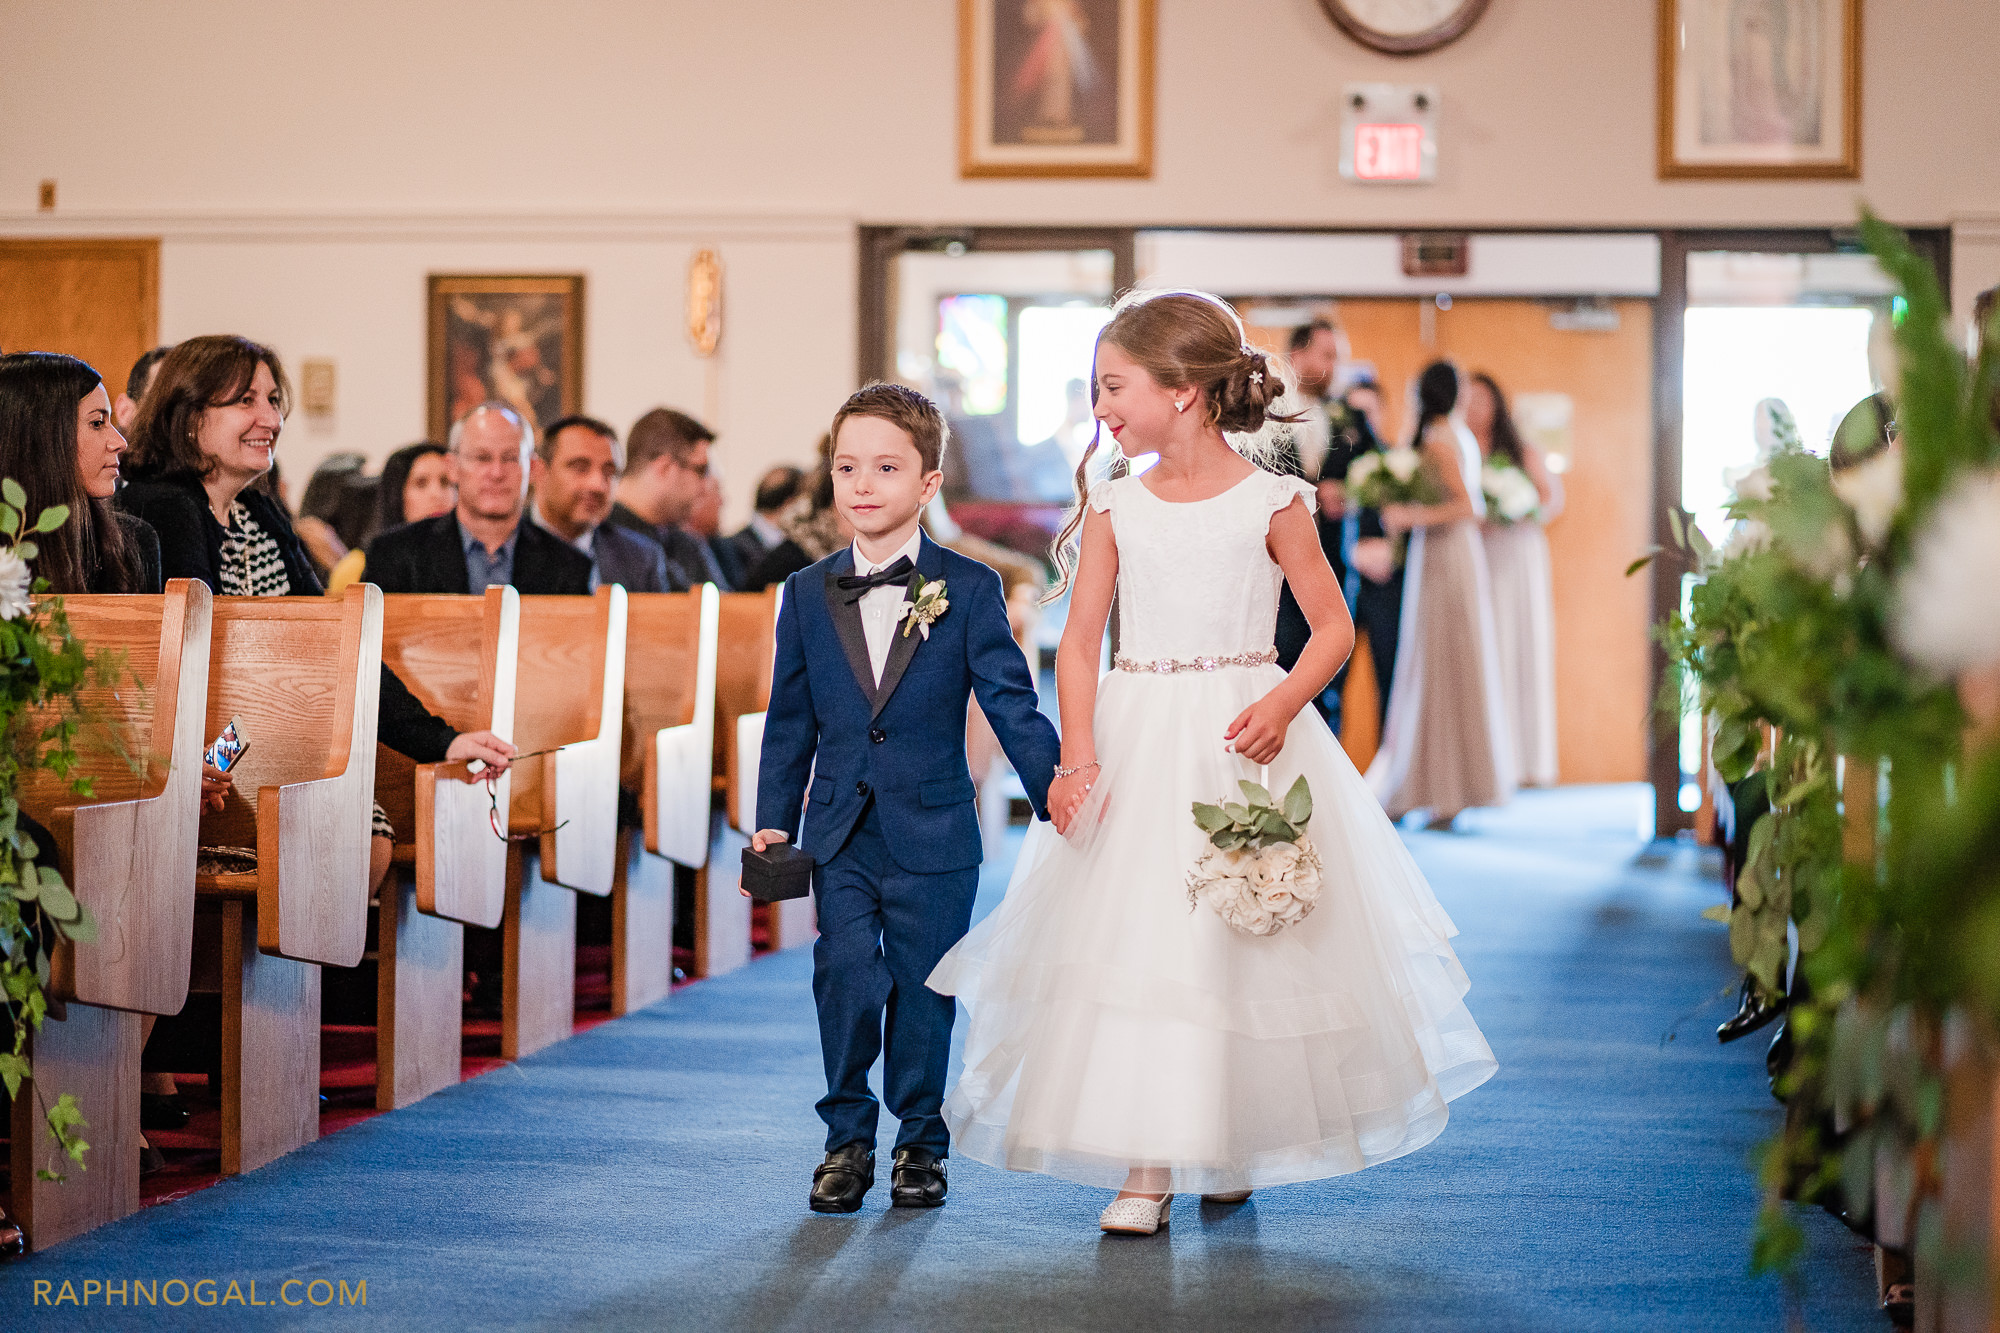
1187,338
39,394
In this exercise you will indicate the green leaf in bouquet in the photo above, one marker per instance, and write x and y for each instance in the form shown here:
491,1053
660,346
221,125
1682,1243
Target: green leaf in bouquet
1698,540
1254,794
1719,912
11,492
1209,818
1674,525
10,519
52,518
1299,802
1642,561
1238,814
27,550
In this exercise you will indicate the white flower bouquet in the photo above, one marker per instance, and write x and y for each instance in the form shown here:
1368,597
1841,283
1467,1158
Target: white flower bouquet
1511,496
1389,476
1260,872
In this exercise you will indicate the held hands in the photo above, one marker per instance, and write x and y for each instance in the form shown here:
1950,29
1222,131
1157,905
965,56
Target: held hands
1398,519
1258,732
1066,795
763,840
487,755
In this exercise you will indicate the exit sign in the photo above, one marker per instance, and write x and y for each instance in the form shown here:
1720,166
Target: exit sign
1388,152
1388,133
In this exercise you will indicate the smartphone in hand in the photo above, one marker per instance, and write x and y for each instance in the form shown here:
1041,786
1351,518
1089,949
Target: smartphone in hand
224,751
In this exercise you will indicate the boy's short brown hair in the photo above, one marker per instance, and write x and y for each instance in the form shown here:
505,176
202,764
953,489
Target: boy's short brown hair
917,416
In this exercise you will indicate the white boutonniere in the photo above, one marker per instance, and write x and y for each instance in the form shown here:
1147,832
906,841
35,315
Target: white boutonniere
925,608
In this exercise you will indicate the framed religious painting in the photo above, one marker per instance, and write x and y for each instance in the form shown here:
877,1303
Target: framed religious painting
1055,87
1760,89
515,339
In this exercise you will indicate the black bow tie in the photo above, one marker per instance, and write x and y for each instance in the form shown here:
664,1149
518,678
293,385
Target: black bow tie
858,585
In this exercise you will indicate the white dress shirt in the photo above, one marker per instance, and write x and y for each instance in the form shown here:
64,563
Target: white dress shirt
879,606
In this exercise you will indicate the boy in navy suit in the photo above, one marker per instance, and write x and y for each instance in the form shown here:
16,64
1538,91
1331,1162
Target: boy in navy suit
880,645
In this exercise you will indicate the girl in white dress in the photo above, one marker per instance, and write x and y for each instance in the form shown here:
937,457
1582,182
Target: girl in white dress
1118,1036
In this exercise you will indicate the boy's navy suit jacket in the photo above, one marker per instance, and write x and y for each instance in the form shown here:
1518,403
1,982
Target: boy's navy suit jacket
902,743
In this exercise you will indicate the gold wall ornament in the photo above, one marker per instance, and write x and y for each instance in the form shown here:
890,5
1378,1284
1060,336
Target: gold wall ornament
704,302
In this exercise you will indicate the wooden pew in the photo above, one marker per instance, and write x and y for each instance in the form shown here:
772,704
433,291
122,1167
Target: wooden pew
129,854
569,698
744,642
458,655
669,742
792,922
301,675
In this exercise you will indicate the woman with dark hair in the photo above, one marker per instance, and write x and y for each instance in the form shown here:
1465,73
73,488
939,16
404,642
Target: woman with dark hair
415,484
1517,562
59,441
1446,746
205,435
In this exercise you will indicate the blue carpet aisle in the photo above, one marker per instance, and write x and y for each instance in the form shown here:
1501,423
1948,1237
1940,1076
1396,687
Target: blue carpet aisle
652,1173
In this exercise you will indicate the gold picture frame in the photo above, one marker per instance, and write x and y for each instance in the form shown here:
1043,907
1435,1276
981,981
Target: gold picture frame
1055,88
514,338
1759,89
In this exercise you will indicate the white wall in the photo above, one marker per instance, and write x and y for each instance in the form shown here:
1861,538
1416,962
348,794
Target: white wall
308,163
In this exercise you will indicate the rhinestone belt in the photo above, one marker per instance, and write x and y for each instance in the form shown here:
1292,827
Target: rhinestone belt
1168,666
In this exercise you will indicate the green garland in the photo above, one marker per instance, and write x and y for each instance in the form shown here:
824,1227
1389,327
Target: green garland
42,669
1788,628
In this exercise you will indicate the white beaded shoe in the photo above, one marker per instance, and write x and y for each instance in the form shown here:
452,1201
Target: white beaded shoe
1136,1217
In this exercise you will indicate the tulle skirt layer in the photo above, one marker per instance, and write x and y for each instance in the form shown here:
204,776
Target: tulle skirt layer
1114,1026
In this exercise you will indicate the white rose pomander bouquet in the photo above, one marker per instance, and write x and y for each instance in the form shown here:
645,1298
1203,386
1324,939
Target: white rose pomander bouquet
1260,872
1383,477
1511,496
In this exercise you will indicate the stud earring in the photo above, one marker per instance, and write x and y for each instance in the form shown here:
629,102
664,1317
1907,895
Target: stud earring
1180,407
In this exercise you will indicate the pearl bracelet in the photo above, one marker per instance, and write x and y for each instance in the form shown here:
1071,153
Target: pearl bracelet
1062,772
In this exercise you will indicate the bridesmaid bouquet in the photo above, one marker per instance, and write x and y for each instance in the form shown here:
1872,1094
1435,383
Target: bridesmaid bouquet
1511,496
1389,476
1260,872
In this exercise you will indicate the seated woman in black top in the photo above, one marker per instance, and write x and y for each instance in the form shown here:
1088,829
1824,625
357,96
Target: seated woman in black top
205,436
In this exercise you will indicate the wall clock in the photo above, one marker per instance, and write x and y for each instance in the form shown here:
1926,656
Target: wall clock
1404,27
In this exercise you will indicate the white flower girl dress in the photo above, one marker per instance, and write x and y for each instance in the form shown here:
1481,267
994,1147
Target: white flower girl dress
1115,1027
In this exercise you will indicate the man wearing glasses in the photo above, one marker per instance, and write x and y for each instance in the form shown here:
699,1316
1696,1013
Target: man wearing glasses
666,464
482,543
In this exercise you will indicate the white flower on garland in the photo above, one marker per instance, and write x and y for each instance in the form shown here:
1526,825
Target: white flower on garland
1874,491
1948,599
1749,536
1748,483
15,582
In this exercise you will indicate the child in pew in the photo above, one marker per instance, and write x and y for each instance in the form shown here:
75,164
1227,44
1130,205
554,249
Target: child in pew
879,647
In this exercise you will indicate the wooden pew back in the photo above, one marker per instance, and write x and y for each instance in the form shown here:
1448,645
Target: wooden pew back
570,698
745,645
670,716
129,850
301,676
458,656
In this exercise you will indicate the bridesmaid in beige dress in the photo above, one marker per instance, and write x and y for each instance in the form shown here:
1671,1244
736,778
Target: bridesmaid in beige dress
1445,745
1517,560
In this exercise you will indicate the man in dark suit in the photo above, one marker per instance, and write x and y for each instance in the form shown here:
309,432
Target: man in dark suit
574,476
483,542
666,464
776,489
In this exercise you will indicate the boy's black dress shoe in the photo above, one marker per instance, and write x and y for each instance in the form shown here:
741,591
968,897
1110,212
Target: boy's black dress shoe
842,1179
916,1180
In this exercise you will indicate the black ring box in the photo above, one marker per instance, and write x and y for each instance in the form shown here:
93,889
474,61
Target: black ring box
778,873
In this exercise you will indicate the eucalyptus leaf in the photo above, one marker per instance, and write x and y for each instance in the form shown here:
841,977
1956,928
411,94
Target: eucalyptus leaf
1299,802
83,930
1238,814
1254,794
1210,817
57,900
11,492
52,518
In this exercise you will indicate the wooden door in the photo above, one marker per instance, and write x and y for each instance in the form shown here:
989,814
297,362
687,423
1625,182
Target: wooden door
99,300
1602,652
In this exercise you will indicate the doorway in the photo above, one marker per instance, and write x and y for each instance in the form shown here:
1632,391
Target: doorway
98,300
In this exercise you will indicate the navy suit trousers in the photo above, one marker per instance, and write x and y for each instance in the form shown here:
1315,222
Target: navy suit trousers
881,931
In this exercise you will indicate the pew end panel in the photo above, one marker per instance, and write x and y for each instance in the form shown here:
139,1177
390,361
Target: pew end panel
670,717
570,698
746,645
459,656
302,678
128,853
93,1053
